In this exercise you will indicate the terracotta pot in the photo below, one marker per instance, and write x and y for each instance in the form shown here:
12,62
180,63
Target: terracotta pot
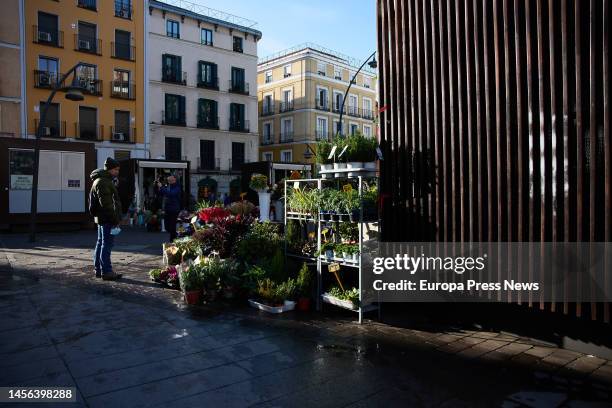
303,304
192,297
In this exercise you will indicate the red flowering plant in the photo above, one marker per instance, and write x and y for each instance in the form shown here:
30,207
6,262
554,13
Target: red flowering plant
212,215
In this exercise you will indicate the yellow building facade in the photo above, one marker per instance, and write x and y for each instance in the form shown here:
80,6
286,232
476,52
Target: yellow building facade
300,93
11,47
107,38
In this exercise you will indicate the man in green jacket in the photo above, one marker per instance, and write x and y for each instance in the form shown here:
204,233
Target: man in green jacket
105,206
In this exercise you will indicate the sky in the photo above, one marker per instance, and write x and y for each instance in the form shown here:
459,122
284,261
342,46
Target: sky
348,27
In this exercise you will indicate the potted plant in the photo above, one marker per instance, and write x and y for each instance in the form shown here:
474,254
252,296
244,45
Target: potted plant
322,158
304,288
350,204
259,183
351,253
340,143
327,249
191,285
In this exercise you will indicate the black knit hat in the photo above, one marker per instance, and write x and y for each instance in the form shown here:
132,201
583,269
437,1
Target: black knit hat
110,163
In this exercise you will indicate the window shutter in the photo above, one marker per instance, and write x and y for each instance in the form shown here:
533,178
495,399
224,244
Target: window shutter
182,108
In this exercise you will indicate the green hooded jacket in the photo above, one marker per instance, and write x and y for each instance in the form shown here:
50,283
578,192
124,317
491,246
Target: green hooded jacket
104,191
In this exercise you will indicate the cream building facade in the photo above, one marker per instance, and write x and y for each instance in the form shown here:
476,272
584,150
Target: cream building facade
300,93
202,92
12,116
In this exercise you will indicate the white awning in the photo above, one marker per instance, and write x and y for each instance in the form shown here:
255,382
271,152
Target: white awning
162,164
288,166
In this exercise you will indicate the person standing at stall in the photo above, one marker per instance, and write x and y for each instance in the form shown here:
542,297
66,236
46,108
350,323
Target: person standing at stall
173,194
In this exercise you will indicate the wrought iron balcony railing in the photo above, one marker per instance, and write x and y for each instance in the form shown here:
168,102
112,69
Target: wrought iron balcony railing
123,10
267,109
88,131
123,90
286,106
239,125
122,134
208,122
286,137
240,87
174,77
168,119
213,83
209,165
123,51
48,36
90,45
322,104
52,128
87,4
46,79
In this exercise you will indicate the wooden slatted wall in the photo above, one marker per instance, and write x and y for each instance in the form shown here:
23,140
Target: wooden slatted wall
497,122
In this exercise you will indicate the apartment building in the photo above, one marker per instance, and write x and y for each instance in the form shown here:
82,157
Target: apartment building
203,91
300,93
12,121
106,37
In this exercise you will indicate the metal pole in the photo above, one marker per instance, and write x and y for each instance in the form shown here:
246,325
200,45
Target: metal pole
43,117
339,130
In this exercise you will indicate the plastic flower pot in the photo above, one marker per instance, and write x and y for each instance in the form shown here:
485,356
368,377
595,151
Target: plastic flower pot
264,206
354,166
303,304
192,297
325,170
370,168
329,253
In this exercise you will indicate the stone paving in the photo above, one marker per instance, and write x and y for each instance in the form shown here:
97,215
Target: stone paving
131,343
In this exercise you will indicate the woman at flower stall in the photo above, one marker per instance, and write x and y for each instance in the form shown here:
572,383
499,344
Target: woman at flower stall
173,194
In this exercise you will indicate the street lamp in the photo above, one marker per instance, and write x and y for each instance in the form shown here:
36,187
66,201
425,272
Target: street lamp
373,64
73,93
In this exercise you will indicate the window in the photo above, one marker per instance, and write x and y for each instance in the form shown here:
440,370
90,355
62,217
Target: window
237,155
367,108
286,130
88,4
48,32
287,102
171,68
321,68
172,29
52,122
287,70
207,75
174,110
87,38
337,127
266,156
337,101
121,130
48,72
87,76
267,132
122,47
87,128
207,114
322,98
321,128
237,82
352,105
268,106
367,131
237,44
268,77
286,156
121,84
354,128
123,8
173,148
237,121
338,73
366,82
206,36
207,154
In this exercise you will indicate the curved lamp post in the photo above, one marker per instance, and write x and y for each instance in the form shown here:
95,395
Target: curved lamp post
73,93
372,65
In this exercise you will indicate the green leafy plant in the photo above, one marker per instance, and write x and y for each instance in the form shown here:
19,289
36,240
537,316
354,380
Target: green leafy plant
242,207
250,278
327,246
350,201
304,281
190,279
322,152
351,295
260,242
361,148
331,200
259,182
348,231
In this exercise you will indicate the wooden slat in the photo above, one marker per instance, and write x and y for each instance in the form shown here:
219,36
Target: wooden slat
579,136
607,153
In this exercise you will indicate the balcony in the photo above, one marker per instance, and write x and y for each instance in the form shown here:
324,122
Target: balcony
48,36
213,83
168,119
321,134
91,86
267,140
88,131
208,122
352,111
122,10
208,165
87,4
286,106
52,128
235,165
322,104
90,45
239,126
336,107
286,137
123,51
122,134
240,87
46,79
367,114
267,110
123,90
173,77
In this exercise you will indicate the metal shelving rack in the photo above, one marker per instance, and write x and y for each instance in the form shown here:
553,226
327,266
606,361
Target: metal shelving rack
321,260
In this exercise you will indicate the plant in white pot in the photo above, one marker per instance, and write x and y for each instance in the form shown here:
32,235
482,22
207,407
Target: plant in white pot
323,160
361,153
259,183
